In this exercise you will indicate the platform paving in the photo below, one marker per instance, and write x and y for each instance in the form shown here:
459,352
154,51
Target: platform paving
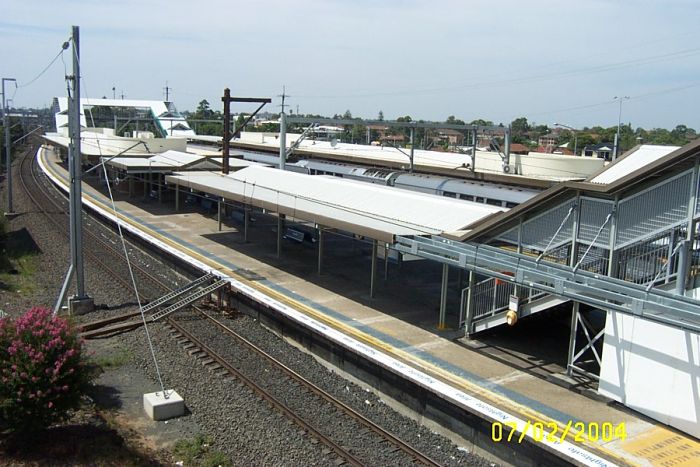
508,369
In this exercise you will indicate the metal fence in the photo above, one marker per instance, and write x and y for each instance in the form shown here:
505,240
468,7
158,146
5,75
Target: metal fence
654,210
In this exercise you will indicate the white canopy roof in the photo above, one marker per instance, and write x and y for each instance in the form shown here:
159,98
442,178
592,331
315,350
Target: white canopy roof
374,211
170,161
642,156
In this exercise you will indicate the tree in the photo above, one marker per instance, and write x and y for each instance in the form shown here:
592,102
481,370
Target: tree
358,133
380,117
481,122
203,110
347,115
519,126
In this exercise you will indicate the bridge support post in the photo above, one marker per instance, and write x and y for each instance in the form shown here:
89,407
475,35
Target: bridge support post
470,305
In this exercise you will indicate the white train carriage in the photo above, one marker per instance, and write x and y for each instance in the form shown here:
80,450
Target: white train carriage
480,192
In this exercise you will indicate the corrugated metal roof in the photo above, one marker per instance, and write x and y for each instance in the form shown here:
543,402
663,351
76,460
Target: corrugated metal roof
635,160
371,210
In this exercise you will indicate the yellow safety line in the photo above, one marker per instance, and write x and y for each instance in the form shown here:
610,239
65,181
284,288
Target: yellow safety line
521,410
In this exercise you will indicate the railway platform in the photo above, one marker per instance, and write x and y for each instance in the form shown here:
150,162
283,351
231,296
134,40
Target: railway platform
399,323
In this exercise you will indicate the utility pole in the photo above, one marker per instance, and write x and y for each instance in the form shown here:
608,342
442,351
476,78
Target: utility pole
227,136
81,302
619,121
227,130
283,133
8,146
167,92
114,94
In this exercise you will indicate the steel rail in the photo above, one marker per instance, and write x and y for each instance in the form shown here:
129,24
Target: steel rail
265,395
408,449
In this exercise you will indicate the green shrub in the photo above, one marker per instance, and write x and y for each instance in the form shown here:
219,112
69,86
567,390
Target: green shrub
42,373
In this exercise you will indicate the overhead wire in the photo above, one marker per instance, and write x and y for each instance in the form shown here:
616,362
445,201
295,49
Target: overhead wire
527,79
612,101
42,72
46,68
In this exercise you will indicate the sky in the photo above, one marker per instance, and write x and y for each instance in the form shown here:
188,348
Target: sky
551,61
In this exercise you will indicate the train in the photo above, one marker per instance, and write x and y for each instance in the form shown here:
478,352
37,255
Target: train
494,194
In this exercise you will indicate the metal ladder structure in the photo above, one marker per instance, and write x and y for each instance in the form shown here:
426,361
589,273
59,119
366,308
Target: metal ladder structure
199,293
178,292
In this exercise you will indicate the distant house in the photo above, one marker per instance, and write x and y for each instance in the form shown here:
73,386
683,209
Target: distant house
517,148
548,142
395,139
451,137
378,131
564,150
601,151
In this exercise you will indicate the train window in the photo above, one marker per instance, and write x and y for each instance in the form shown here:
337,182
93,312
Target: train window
449,195
493,202
479,199
510,205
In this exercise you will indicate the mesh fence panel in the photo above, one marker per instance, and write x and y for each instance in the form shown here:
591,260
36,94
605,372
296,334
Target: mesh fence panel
654,210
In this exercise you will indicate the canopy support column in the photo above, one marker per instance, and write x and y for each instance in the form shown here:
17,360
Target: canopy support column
246,221
177,197
373,274
386,261
443,295
218,213
280,229
320,249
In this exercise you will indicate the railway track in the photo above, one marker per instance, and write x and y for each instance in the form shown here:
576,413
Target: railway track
341,426
54,205
268,380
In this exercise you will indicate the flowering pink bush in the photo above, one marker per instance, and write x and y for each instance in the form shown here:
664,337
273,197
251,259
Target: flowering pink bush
42,375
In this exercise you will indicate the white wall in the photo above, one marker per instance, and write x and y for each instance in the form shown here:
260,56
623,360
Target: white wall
653,368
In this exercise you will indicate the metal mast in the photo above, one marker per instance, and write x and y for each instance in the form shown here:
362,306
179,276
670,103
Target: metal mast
8,143
283,133
80,303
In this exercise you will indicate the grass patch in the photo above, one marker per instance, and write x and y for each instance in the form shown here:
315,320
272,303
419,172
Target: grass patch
199,453
114,359
18,275
19,260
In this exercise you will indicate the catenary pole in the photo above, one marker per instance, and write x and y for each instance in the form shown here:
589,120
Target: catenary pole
8,145
80,302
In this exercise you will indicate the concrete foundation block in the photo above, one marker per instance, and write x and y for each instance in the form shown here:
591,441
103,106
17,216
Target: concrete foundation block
158,407
81,306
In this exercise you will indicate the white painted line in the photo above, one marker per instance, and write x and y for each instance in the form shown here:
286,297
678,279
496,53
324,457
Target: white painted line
454,395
